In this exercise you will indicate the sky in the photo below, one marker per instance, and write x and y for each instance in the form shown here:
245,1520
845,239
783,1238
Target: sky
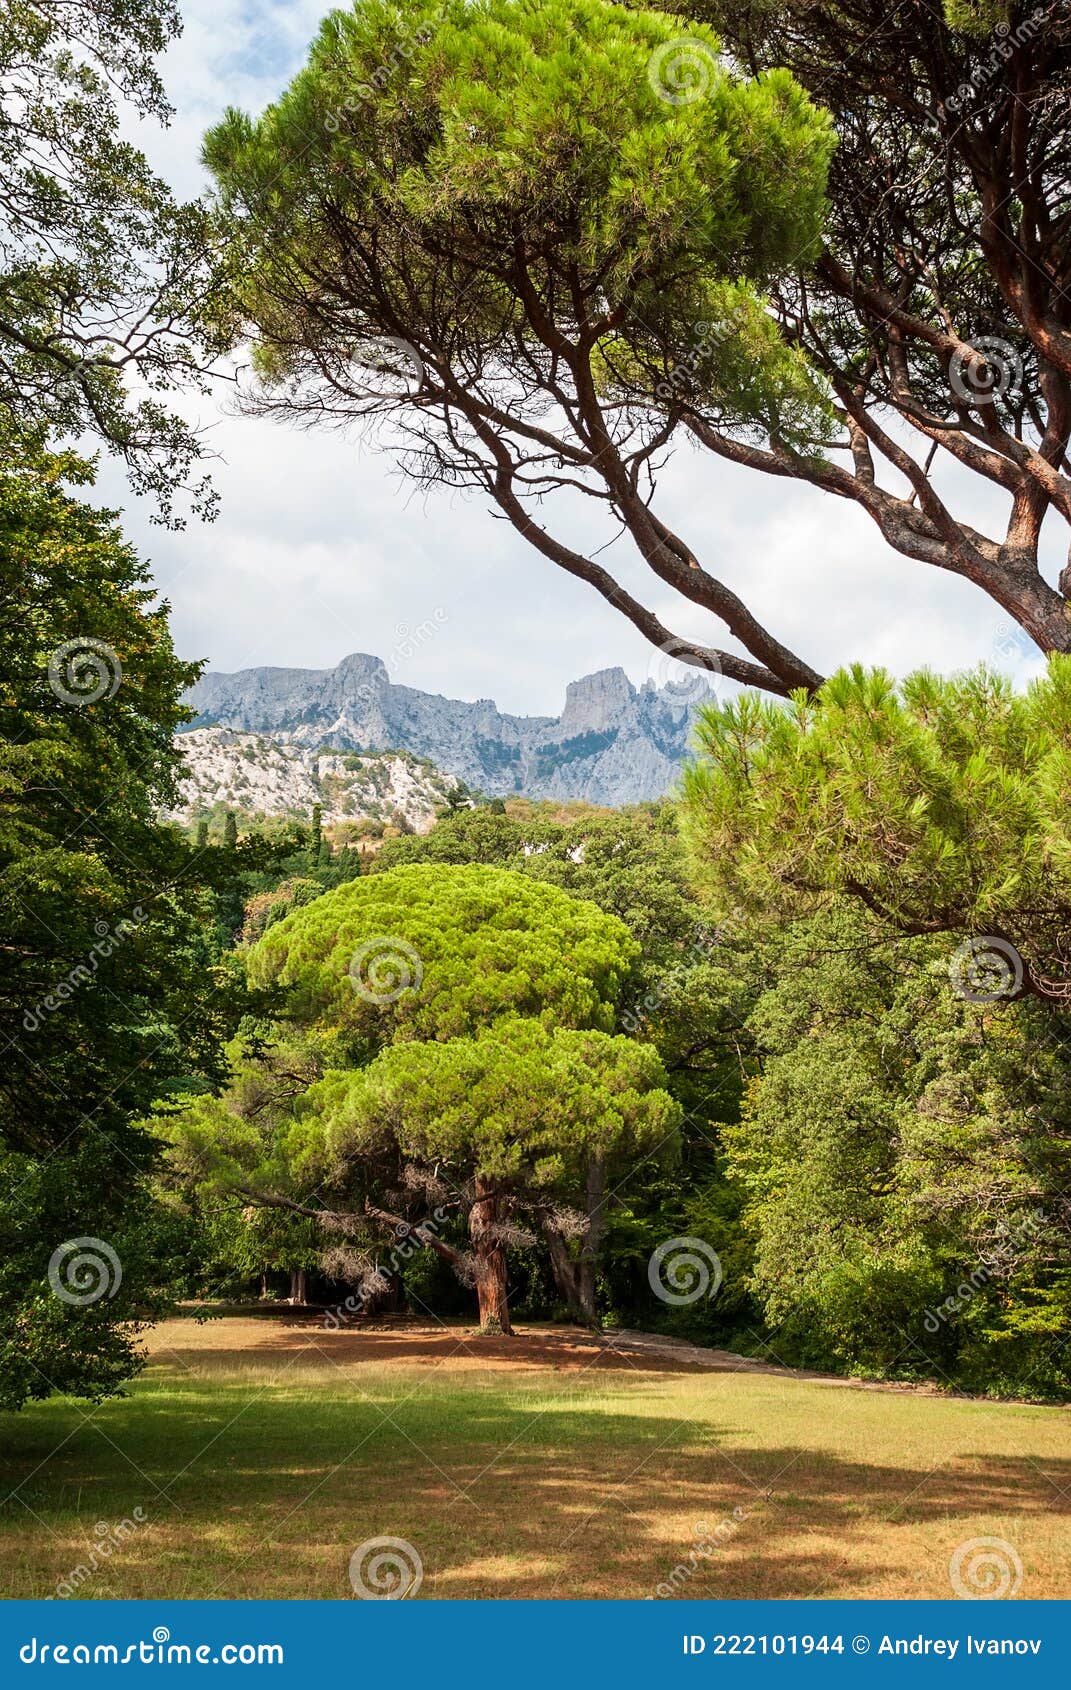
322,548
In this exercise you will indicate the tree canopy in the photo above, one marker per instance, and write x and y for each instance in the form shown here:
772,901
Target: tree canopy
940,805
111,988
550,241
102,273
436,952
448,1040
515,239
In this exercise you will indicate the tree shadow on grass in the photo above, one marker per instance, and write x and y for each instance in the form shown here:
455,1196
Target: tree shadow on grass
596,1489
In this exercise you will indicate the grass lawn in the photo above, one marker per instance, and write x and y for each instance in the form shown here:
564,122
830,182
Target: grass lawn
263,1452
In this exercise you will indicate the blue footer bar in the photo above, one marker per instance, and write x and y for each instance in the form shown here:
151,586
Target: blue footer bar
513,1645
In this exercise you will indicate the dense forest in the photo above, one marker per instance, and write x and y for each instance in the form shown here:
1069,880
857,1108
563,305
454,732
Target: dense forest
779,1064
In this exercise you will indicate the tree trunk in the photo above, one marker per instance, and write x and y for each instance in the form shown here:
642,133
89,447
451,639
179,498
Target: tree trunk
297,1285
491,1282
575,1277
589,1249
263,1287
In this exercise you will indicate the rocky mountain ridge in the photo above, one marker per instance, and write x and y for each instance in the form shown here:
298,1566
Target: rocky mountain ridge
255,774
611,744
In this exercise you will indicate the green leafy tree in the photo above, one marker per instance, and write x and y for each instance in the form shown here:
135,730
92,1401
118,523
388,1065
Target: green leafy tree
941,327
556,239
500,224
941,806
903,1158
476,972
522,1120
111,992
102,273
690,994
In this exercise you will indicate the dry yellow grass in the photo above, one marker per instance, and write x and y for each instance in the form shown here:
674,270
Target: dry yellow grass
263,1453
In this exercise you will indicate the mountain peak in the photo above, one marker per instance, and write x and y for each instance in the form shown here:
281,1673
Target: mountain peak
607,746
597,702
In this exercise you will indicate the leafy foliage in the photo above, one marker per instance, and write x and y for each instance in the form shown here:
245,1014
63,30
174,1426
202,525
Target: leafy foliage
100,269
111,988
941,806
